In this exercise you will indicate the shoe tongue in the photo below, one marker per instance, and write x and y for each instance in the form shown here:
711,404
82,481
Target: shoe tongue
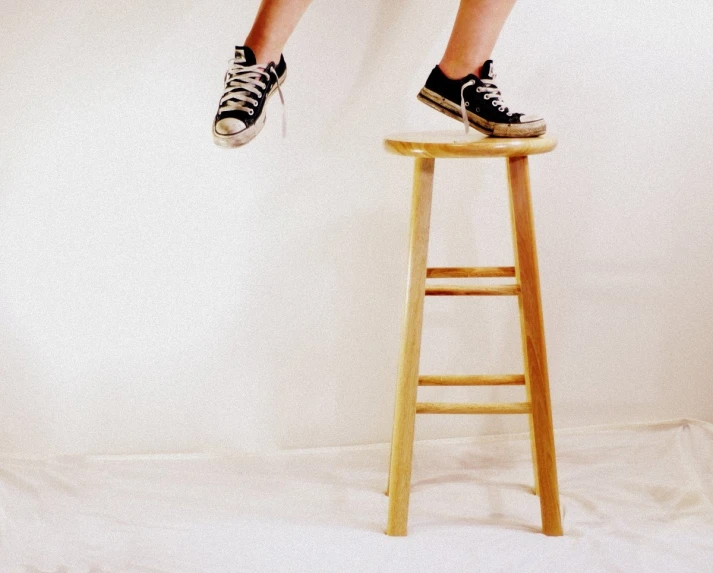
244,55
487,72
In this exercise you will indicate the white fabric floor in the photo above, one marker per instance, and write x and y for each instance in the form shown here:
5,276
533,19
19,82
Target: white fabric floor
636,498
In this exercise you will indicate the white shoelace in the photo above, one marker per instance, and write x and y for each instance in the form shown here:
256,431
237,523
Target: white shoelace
464,114
241,81
491,93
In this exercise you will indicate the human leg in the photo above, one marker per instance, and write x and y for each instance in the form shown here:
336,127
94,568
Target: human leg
475,31
273,25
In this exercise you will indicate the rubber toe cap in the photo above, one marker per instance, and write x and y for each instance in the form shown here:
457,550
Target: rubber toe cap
229,126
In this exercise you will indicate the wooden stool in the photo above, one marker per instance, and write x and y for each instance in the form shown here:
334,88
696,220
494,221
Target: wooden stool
426,147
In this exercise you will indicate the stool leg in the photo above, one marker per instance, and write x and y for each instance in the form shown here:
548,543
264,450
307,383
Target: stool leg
407,385
533,335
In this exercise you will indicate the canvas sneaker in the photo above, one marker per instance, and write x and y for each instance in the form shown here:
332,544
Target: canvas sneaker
477,102
248,87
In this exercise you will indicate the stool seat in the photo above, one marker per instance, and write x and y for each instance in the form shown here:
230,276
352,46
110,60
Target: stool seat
433,144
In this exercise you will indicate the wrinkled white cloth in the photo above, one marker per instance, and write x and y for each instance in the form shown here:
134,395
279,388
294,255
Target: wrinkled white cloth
635,498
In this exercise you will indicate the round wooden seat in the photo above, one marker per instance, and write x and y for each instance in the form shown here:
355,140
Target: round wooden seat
433,144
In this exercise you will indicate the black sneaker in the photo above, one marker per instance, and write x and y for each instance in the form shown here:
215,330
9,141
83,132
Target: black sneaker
248,86
478,102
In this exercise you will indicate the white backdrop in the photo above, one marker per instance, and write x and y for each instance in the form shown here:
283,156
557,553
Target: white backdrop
158,294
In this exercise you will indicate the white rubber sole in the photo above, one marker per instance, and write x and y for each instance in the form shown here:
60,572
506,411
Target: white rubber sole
239,139
445,106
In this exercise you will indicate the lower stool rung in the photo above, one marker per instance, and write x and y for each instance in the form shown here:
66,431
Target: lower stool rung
455,408
450,290
473,380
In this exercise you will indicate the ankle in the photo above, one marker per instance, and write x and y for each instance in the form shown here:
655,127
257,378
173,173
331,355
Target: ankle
264,51
456,70
266,57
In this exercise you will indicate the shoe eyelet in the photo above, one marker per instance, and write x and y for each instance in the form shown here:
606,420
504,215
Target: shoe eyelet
486,97
467,104
479,90
251,112
477,110
494,102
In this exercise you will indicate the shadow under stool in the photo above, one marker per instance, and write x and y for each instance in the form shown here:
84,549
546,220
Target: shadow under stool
426,148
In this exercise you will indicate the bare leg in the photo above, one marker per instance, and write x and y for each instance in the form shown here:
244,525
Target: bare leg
475,31
274,23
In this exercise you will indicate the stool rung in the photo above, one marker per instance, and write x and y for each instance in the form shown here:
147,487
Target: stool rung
455,408
451,290
473,380
467,272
